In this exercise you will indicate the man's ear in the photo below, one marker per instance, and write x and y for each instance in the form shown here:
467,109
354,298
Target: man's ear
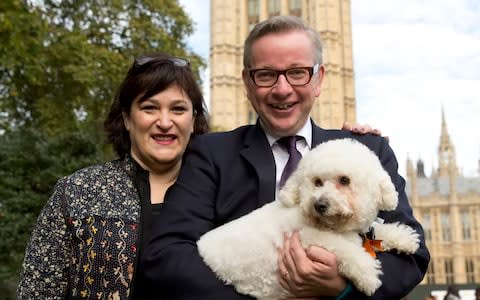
319,76
247,83
245,77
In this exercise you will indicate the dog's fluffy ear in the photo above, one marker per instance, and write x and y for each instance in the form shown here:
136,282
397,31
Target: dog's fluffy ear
389,194
289,194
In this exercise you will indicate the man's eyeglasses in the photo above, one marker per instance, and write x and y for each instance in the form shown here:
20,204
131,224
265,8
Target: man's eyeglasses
297,76
177,61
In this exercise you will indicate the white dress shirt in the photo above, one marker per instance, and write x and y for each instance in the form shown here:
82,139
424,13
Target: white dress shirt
281,155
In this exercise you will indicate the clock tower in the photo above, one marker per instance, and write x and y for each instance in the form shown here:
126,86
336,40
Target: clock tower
446,153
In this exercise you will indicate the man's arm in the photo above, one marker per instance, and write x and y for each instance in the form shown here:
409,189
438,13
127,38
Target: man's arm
171,261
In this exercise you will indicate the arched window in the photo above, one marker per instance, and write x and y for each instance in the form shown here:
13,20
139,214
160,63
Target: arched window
466,226
446,234
427,226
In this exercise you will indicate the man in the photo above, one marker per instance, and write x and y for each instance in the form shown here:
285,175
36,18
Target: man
227,175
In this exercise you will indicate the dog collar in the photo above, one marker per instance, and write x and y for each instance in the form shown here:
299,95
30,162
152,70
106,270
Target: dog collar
371,245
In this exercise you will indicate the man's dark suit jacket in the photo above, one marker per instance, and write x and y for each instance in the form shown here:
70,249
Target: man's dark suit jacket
227,175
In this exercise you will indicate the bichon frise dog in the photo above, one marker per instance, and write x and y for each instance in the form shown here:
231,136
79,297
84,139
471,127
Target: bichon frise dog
333,196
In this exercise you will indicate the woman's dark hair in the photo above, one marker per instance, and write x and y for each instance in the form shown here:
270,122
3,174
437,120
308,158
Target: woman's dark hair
148,76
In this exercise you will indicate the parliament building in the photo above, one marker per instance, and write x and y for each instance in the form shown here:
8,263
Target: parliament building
447,204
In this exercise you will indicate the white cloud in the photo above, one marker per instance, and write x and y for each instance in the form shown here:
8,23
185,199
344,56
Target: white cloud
411,59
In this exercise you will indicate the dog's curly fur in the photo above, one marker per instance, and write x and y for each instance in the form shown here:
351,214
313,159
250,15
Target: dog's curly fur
333,196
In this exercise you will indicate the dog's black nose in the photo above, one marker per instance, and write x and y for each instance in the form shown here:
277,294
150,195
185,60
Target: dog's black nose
321,205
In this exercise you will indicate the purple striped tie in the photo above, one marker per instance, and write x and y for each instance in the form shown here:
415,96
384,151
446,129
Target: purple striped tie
290,144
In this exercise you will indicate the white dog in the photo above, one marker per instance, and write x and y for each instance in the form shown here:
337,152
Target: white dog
333,196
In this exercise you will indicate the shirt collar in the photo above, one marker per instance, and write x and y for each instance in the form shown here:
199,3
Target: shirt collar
305,132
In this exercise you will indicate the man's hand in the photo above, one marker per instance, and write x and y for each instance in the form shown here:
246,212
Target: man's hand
308,273
362,129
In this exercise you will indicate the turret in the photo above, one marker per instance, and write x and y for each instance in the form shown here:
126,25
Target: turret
412,179
420,169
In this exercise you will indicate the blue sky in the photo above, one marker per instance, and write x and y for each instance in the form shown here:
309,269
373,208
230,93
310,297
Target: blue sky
411,58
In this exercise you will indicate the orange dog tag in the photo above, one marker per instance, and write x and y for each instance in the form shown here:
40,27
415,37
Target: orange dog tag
371,246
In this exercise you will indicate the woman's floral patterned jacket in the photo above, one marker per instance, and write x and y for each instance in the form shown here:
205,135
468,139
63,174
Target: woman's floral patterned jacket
84,245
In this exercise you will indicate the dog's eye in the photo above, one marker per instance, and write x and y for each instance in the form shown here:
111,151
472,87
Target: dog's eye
318,182
344,180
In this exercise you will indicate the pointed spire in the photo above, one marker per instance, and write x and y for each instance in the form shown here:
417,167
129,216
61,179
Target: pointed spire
444,136
409,165
479,161
446,151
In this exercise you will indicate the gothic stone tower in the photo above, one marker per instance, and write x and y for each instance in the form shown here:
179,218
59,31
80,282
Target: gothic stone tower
230,24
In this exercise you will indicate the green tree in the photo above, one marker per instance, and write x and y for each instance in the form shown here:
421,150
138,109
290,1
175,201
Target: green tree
66,58
62,62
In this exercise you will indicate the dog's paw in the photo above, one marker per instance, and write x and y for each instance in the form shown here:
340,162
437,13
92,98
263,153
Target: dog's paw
370,281
410,241
371,287
364,272
397,237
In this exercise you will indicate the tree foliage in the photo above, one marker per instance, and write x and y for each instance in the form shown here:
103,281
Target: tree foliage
72,54
62,61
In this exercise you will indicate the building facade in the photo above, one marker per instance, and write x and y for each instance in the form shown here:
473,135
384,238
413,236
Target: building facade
448,206
230,23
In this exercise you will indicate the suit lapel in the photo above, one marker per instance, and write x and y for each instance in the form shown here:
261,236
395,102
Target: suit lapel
318,135
258,153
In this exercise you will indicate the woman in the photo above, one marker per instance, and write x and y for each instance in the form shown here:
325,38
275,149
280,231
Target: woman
90,234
